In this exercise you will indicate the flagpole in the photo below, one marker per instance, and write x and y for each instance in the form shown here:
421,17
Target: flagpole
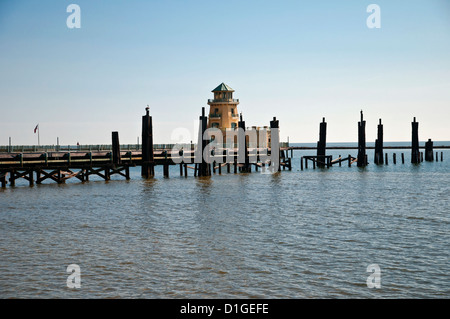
39,141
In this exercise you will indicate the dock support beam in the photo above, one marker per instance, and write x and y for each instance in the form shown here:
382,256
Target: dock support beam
275,144
362,142
415,154
148,167
378,158
115,148
429,151
204,168
242,142
321,144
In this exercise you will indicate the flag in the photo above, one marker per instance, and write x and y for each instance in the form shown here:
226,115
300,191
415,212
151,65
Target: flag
36,128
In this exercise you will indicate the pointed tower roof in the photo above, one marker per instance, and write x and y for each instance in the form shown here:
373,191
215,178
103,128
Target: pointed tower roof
223,88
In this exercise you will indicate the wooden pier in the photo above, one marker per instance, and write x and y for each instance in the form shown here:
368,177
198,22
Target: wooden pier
59,166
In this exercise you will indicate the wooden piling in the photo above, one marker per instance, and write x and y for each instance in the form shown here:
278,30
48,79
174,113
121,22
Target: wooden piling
321,144
274,127
204,167
166,169
107,174
3,178
127,172
403,158
147,168
243,147
301,163
361,142
394,158
116,148
349,160
442,156
429,156
415,154
379,145
386,159
31,177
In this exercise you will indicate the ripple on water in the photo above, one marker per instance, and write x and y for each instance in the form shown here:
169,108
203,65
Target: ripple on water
232,236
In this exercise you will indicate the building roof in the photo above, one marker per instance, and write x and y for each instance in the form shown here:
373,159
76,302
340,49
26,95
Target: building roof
223,88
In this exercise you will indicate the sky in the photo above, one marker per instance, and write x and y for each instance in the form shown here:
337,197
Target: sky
298,61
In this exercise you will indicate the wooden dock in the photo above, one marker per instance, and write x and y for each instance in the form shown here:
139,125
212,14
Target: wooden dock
59,166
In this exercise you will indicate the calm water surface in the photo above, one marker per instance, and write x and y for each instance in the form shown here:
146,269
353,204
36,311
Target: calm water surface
298,234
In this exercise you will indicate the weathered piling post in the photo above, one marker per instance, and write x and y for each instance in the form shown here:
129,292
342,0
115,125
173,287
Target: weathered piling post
403,158
394,158
386,160
379,145
224,159
3,178
12,179
116,148
204,167
362,142
442,156
301,163
349,160
321,144
429,151
415,154
275,144
243,147
166,169
148,166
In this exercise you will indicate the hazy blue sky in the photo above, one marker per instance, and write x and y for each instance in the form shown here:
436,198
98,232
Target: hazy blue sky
296,60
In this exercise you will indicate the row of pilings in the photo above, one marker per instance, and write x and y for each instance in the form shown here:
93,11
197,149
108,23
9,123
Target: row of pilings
322,160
